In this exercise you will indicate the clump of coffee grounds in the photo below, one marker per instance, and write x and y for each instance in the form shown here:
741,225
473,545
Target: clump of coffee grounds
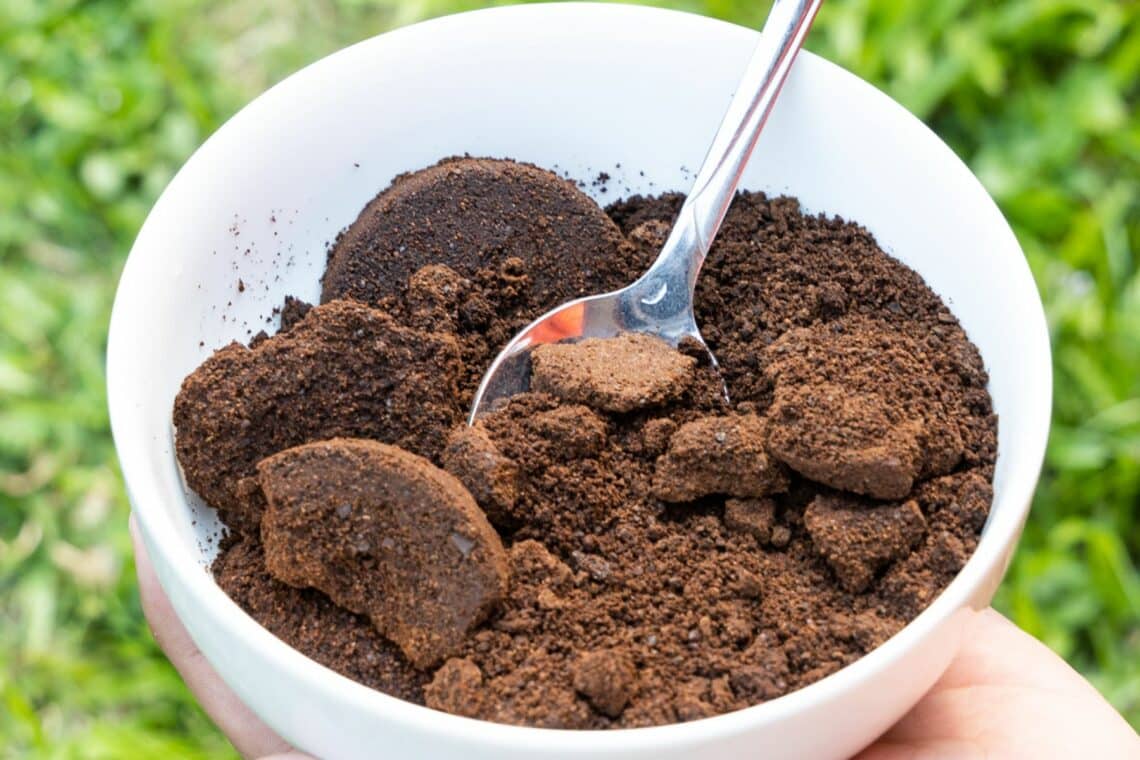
670,556
503,242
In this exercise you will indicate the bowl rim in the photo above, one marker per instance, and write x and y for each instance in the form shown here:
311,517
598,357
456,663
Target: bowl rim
130,434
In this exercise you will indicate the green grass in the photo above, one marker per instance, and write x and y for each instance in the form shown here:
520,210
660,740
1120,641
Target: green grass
101,101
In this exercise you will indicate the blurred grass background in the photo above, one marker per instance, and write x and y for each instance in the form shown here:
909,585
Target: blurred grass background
101,101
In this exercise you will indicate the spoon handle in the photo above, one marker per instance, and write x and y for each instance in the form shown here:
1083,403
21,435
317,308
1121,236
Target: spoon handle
713,189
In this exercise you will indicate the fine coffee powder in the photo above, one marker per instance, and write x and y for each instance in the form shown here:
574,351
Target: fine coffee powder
668,556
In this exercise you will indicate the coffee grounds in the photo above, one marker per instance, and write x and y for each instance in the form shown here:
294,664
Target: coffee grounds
631,371
860,406
624,609
474,213
384,533
343,370
857,539
513,241
308,621
718,455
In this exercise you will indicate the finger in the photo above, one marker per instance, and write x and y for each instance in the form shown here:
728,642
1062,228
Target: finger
1007,695
249,735
996,652
991,721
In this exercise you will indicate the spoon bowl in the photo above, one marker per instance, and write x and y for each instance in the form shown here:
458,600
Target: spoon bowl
650,305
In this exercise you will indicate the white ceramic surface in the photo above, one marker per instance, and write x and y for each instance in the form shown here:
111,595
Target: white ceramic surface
583,88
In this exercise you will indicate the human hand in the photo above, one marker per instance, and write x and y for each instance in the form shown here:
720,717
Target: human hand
249,735
1006,695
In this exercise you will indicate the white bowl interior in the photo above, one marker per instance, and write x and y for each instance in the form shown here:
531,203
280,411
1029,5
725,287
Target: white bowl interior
634,92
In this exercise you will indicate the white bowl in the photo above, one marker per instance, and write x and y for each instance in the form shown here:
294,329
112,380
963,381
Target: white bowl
583,88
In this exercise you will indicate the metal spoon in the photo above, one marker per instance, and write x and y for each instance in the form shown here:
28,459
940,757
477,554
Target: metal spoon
660,302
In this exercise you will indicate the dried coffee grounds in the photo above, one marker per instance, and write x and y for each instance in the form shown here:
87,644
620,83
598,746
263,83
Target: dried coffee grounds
641,552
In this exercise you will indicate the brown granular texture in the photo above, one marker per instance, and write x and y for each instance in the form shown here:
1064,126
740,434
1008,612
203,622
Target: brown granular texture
724,455
343,370
384,533
773,268
517,240
711,610
632,371
857,539
860,440
860,406
475,213
309,622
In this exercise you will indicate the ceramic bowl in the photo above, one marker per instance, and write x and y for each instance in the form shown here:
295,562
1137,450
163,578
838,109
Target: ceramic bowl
584,88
